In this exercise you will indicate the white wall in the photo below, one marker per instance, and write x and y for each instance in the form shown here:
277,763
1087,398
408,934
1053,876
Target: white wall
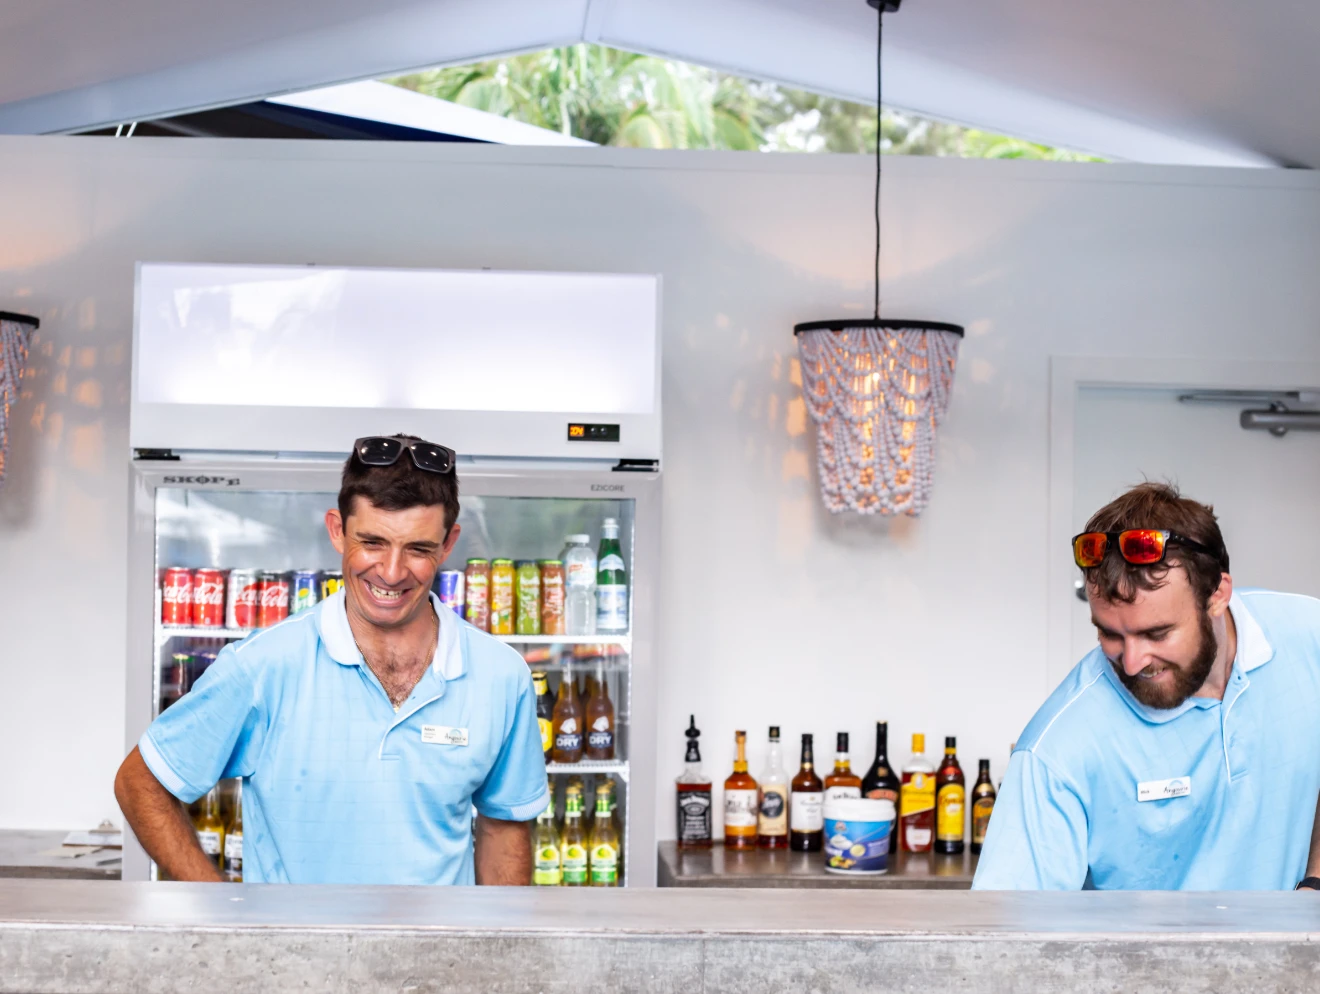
773,611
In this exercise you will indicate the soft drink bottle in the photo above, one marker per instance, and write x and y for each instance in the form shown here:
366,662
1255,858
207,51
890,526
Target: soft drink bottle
579,585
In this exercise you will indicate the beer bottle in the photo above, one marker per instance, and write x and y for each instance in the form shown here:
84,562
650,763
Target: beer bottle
916,811
692,790
234,839
545,846
772,819
806,816
880,782
600,719
573,842
604,841
842,782
210,827
567,721
740,795
983,802
545,712
950,802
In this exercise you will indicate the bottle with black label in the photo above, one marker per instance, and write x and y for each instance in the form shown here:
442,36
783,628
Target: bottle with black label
806,815
983,803
567,719
693,796
772,812
880,782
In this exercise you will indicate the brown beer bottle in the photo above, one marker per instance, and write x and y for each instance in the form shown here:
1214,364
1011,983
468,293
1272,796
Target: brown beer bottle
950,802
600,719
806,806
567,721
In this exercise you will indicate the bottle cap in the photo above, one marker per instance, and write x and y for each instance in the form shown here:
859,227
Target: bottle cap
774,733
918,742
950,742
841,742
578,540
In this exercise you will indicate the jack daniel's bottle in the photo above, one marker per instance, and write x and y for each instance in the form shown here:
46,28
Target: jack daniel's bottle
693,796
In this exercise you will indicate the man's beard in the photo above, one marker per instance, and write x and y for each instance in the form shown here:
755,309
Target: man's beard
1187,680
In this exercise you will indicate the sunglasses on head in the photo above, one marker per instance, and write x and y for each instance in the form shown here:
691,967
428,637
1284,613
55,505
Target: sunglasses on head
382,450
1139,546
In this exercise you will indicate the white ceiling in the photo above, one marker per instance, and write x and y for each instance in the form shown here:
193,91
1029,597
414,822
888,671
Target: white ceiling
1179,81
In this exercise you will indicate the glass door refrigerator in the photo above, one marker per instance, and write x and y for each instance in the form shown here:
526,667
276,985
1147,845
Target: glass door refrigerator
226,539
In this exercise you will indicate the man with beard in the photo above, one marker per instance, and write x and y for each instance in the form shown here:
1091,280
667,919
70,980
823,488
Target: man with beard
1181,753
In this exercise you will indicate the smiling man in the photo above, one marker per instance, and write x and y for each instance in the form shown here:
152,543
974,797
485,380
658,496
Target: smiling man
366,729
1182,753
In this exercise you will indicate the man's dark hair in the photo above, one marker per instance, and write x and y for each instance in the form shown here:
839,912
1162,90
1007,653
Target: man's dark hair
398,487
1158,505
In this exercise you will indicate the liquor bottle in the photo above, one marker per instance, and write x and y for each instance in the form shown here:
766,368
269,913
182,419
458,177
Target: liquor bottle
806,815
916,811
693,795
600,719
880,782
950,802
604,841
772,816
573,842
983,802
210,827
611,581
567,720
545,712
740,796
842,782
545,847
233,863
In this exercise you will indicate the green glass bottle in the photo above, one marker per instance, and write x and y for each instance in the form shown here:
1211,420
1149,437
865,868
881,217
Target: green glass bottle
611,582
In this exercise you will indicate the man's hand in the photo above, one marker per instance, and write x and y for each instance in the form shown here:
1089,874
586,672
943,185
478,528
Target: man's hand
503,852
161,824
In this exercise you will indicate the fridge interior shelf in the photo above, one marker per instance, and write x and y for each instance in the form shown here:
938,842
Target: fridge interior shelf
624,641
166,632
591,766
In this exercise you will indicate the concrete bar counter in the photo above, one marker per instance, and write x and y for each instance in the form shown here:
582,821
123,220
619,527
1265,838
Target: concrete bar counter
79,937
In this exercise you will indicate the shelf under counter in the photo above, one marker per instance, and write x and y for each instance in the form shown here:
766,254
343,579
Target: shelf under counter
784,868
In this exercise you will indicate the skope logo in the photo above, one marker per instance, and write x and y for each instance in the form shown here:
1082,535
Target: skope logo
229,481
613,488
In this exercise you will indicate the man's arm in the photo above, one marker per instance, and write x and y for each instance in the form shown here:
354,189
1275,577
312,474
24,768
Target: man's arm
1313,860
503,852
161,824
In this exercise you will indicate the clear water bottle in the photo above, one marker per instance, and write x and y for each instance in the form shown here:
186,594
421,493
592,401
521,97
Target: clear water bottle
611,582
579,585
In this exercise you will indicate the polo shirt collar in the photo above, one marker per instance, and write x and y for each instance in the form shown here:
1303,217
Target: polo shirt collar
1253,650
337,637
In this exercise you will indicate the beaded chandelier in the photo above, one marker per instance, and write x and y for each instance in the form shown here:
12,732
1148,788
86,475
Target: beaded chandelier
15,337
876,389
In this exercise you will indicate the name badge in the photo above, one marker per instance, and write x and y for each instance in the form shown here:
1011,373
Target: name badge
444,735
1159,790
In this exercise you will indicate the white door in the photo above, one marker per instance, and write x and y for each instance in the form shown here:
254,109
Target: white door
1265,490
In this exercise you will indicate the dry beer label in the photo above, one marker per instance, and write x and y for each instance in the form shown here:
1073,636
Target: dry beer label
1159,790
444,735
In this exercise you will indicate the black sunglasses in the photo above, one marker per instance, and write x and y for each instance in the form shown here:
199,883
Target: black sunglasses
382,450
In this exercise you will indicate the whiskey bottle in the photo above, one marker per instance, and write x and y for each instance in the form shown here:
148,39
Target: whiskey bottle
916,811
806,816
772,815
842,782
740,801
692,789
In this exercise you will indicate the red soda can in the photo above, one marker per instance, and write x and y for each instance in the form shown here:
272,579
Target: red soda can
241,599
208,598
273,605
176,596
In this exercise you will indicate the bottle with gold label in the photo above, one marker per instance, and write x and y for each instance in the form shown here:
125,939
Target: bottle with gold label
740,801
983,803
950,802
573,843
545,712
234,838
604,841
548,870
209,824
916,800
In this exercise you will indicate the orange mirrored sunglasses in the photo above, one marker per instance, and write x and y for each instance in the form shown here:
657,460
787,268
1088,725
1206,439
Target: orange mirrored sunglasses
1139,546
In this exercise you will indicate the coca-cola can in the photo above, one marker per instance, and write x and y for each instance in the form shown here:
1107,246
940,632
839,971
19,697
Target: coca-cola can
208,598
273,605
241,599
176,596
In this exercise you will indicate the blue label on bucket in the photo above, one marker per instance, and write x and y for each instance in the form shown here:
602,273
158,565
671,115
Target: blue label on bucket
857,846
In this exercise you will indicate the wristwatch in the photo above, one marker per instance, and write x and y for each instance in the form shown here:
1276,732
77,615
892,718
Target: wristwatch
1308,883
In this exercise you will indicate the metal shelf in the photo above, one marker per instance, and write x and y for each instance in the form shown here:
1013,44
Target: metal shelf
620,640
166,632
591,766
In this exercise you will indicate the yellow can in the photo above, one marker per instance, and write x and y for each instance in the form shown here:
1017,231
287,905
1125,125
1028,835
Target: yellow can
501,597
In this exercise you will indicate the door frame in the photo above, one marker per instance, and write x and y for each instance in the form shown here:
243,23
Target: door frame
1069,375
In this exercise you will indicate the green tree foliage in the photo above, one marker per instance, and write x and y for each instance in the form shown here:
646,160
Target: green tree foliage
613,97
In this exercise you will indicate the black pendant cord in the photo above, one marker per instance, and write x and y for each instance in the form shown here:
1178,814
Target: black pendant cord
879,141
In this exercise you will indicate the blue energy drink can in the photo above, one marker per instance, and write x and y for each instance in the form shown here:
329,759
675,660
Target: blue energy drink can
304,591
450,590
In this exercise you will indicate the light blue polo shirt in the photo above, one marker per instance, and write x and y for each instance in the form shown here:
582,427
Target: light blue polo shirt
1070,812
337,787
